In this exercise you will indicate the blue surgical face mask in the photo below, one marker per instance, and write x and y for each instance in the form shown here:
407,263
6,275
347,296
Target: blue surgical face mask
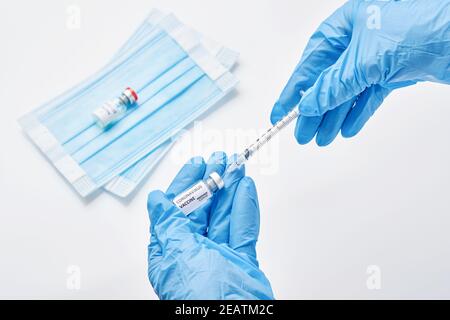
176,79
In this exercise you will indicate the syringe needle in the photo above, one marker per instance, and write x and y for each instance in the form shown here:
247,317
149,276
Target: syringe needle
263,139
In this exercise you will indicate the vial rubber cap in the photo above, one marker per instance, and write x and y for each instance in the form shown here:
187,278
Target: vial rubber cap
132,94
217,180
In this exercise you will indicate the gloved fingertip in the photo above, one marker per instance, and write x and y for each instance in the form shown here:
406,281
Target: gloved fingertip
351,127
157,202
192,171
308,105
236,175
249,187
365,107
302,140
154,197
217,163
327,135
301,137
232,159
197,161
323,141
349,132
248,184
276,115
274,119
217,157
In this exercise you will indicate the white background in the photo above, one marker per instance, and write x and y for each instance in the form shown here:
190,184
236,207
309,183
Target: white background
381,198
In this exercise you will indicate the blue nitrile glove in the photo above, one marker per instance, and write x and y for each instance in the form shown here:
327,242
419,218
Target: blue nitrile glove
358,56
211,253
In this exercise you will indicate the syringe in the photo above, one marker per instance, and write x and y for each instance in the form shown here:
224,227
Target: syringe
263,139
199,194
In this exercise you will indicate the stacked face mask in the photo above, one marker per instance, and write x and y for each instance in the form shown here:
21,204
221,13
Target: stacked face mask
177,74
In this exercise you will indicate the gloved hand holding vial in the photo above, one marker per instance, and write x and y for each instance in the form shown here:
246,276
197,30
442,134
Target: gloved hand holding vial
213,248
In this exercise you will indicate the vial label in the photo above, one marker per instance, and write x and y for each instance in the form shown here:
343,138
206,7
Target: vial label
109,111
193,197
113,110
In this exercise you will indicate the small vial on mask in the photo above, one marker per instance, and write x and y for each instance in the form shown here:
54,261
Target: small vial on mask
113,110
197,195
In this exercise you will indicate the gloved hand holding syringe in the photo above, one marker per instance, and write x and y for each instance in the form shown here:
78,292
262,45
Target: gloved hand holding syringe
197,195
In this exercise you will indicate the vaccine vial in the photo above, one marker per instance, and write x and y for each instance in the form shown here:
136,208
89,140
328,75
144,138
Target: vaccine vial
113,110
197,195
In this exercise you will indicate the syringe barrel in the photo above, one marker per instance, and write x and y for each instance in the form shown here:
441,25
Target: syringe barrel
269,134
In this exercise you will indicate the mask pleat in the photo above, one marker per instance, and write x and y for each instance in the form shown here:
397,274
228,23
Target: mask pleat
145,111
151,90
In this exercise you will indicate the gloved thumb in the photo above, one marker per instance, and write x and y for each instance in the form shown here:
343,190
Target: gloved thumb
168,223
337,84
